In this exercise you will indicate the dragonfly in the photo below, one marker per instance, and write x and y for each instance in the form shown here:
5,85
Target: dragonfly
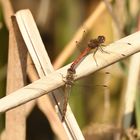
69,79
93,44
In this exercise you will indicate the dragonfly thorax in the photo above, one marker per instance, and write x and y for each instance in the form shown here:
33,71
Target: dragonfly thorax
94,43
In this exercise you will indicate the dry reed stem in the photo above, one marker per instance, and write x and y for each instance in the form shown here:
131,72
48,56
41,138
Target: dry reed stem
71,46
8,12
48,107
15,119
118,51
131,89
43,105
33,76
43,65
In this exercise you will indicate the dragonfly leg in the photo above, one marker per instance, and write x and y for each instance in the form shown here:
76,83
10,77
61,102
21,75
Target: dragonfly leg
63,78
102,50
103,45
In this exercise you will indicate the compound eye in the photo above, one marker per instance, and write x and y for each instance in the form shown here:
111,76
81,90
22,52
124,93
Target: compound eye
101,39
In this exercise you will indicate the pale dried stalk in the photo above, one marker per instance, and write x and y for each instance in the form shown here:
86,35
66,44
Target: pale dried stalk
132,83
15,119
33,76
107,94
71,46
131,89
31,71
43,65
86,67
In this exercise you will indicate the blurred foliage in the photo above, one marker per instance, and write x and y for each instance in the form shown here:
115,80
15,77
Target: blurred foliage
3,53
67,22
3,61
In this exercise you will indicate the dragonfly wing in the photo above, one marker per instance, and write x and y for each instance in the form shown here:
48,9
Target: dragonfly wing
65,102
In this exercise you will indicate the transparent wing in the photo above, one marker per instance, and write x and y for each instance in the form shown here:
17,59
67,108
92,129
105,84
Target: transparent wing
67,91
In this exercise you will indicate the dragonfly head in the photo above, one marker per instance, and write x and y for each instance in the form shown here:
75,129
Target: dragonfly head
101,39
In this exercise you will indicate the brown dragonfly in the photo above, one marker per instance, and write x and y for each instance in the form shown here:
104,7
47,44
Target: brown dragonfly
93,44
